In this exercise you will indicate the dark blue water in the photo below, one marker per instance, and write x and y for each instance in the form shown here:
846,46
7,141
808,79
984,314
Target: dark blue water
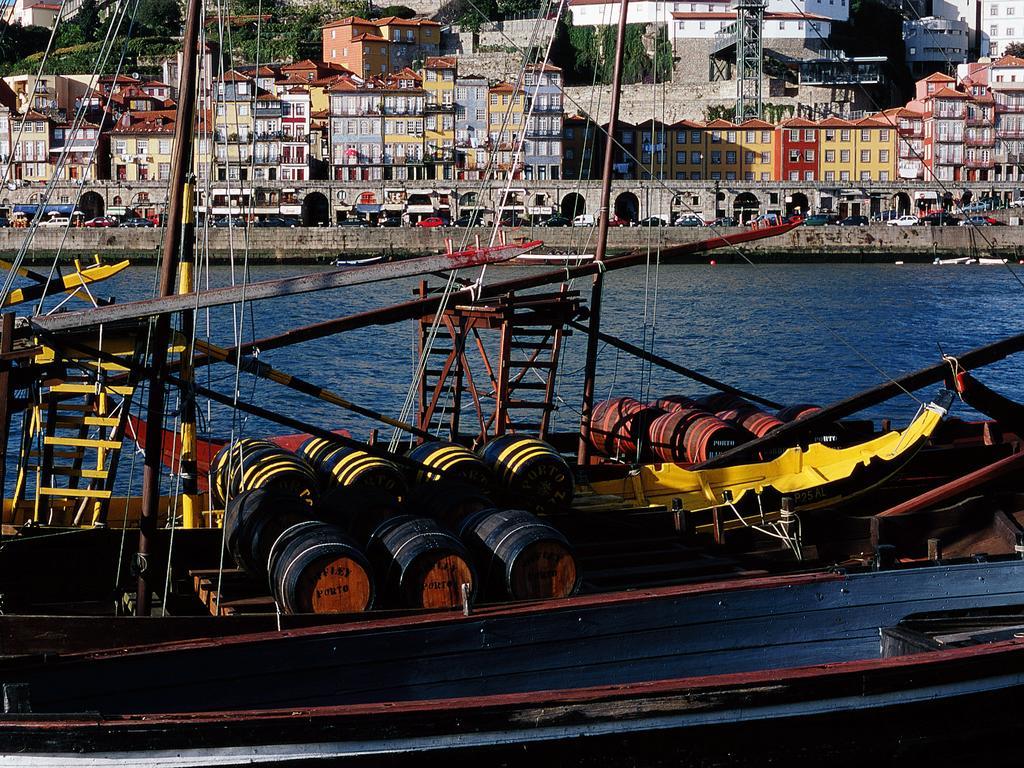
793,333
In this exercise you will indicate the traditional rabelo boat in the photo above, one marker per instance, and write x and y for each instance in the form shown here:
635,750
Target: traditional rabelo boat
657,577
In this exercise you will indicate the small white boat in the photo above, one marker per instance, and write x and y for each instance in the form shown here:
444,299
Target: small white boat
357,262
992,261
957,260
552,259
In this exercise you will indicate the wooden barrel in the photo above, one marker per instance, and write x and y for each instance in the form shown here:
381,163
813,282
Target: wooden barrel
519,556
666,433
315,567
448,502
359,510
531,473
453,462
253,521
750,418
343,465
720,401
794,412
420,565
618,427
226,458
259,464
708,436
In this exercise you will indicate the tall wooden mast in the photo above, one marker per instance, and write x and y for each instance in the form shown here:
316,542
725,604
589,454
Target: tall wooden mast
178,221
594,325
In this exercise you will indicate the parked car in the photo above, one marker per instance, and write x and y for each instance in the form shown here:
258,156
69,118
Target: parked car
469,220
906,220
354,221
980,221
652,221
56,221
430,222
1018,203
556,221
587,220
820,220
513,220
137,222
854,221
940,218
394,221
615,221
4,221
724,221
278,221
689,220
101,221
230,221
985,204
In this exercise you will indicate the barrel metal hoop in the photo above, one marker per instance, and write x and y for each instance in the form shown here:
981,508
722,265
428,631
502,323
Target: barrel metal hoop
288,570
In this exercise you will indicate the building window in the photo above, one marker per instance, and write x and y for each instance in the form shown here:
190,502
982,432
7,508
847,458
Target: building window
730,158
883,155
808,155
830,155
865,155
844,156
695,158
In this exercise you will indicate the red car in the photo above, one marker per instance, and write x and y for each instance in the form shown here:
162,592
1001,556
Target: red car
101,221
431,221
615,221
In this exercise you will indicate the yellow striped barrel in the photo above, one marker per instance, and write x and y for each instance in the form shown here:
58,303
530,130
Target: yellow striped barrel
530,472
339,465
451,462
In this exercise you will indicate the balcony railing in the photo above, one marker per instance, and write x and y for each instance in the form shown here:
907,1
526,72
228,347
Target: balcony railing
1010,133
1011,107
911,130
978,120
949,138
435,107
538,133
980,141
979,163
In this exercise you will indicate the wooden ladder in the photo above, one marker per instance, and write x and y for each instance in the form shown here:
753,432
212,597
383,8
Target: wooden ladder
79,425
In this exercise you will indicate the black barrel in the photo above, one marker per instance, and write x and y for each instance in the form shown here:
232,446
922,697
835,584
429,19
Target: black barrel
251,464
343,465
530,472
315,567
452,462
253,521
359,510
519,556
419,565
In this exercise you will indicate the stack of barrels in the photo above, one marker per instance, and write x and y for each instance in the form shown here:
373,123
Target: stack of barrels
683,429
336,529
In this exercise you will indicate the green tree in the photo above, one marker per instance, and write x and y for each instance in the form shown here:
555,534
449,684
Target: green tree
88,20
158,18
1014,49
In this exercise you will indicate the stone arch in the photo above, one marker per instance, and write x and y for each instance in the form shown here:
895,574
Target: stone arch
627,206
573,205
745,207
901,203
469,200
92,205
797,203
117,200
316,210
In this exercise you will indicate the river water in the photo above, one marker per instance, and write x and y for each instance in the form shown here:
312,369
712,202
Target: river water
792,333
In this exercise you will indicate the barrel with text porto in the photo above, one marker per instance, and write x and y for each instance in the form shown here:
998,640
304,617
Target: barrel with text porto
794,412
316,567
619,426
249,464
343,465
255,519
691,434
827,434
530,472
449,461
419,564
519,556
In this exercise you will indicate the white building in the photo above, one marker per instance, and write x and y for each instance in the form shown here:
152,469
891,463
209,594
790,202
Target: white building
1002,23
811,29
39,13
968,11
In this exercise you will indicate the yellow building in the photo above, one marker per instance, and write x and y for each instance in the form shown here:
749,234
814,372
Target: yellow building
687,138
32,147
756,138
723,151
226,134
439,116
876,150
505,125
140,150
837,150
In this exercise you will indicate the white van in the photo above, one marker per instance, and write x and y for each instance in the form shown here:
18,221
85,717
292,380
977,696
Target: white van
584,220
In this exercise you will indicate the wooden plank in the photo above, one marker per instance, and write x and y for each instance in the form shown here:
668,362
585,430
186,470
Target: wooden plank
89,421
81,442
85,493
268,289
85,389
94,474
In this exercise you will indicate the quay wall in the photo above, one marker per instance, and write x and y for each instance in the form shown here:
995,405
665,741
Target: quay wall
875,243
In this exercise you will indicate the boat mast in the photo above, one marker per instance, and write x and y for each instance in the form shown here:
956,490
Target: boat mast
594,324
179,201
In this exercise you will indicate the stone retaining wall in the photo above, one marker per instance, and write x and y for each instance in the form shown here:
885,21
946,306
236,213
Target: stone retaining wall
825,244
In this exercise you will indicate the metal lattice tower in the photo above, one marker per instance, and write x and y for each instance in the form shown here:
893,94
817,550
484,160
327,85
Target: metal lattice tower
749,59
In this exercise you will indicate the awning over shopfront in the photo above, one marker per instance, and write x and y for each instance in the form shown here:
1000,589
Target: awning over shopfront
30,210
368,208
